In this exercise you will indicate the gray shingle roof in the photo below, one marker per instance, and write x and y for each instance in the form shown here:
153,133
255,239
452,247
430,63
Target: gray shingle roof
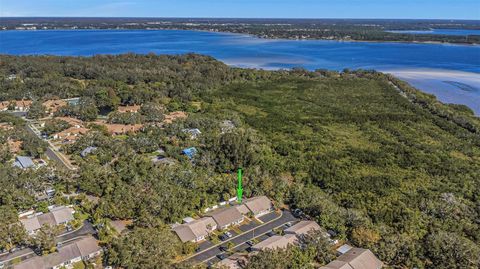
226,216
303,227
276,242
24,162
258,204
56,216
81,248
62,214
194,229
355,258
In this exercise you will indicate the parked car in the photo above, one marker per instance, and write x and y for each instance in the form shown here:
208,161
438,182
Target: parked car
229,234
221,256
249,249
223,248
250,243
288,224
271,233
297,212
223,237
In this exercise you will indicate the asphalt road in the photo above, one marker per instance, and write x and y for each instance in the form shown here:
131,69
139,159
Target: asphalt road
86,229
51,153
238,241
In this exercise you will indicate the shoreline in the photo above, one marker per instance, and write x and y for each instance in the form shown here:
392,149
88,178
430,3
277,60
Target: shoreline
251,35
438,83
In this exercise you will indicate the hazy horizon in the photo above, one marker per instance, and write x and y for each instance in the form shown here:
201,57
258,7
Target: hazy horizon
246,9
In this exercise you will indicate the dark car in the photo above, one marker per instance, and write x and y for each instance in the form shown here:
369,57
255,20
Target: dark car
223,237
249,249
221,256
223,248
271,233
250,243
297,212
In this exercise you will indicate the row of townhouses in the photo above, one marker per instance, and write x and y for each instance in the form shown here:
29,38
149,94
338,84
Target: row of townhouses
222,218
67,255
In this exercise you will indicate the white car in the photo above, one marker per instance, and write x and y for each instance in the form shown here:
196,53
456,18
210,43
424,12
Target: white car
229,234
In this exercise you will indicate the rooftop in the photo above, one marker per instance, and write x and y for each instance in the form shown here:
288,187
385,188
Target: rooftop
24,162
169,118
258,204
195,229
303,227
129,108
355,258
225,216
276,241
81,248
56,216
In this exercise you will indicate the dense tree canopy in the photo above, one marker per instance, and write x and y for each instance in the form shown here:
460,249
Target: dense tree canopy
365,155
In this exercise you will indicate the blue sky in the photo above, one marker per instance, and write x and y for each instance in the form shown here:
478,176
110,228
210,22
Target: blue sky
428,9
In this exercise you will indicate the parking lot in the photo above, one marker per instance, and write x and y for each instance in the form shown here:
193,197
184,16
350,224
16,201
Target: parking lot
208,253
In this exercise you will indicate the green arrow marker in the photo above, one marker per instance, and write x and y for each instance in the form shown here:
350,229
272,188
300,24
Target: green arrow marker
239,187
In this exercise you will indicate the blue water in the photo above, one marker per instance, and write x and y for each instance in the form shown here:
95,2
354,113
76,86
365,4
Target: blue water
248,51
460,32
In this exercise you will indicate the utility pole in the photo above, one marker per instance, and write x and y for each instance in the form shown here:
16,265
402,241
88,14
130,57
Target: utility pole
239,187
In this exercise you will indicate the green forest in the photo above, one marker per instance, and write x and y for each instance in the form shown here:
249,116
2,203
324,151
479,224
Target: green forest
382,164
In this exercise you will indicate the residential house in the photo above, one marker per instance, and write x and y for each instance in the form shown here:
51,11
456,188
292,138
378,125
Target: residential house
195,231
259,205
23,162
120,225
84,249
171,117
276,242
194,133
226,217
243,209
56,216
303,227
72,121
235,261
5,126
4,105
71,134
52,106
355,258
14,145
22,105
87,150
121,129
190,152
128,109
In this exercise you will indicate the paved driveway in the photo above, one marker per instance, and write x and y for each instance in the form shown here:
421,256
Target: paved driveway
204,245
248,226
268,217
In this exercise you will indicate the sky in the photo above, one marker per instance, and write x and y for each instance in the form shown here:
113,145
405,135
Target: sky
401,9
